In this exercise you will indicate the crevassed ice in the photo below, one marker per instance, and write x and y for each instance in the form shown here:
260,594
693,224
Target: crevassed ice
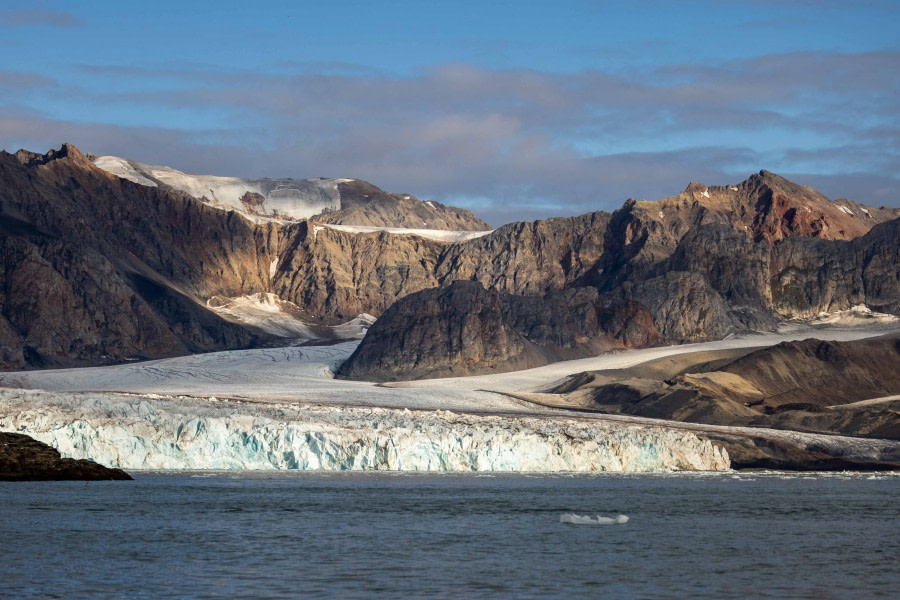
140,432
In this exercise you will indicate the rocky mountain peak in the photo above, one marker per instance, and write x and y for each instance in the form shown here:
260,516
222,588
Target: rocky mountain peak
695,187
67,150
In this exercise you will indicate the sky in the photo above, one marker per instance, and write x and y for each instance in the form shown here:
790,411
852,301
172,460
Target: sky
516,110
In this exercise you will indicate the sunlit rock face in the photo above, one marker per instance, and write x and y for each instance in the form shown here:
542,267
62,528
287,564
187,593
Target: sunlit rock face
135,432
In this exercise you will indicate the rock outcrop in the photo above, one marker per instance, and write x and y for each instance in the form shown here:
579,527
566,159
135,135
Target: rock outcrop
25,459
453,331
531,258
465,329
365,204
336,275
716,281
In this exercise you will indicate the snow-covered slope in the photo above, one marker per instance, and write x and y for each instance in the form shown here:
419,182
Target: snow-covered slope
438,235
277,198
265,311
856,315
268,312
135,432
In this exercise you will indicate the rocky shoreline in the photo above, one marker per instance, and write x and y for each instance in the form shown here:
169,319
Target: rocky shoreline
23,458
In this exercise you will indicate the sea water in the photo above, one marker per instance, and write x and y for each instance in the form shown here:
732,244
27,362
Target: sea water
349,535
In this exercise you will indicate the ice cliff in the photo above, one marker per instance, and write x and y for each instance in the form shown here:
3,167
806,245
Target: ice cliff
147,432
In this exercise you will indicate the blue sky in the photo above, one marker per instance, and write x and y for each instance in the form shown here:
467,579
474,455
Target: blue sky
517,110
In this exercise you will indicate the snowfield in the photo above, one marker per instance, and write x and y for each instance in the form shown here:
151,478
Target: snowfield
438,235
266,311
284,198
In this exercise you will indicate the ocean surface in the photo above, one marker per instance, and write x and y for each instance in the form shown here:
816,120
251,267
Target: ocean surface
363,535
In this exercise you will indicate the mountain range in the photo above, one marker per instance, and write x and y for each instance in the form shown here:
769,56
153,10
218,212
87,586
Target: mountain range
107,260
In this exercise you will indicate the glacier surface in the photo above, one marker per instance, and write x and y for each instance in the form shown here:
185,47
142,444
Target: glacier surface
284,198
152,432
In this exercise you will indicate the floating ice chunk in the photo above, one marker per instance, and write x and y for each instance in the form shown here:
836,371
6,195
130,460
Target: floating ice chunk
574,519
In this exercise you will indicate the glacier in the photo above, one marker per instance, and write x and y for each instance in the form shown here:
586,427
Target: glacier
147,431
284,198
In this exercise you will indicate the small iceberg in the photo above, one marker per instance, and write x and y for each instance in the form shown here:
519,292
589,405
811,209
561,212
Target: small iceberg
574,519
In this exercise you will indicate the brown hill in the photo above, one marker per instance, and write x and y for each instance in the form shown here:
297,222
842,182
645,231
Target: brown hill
849,388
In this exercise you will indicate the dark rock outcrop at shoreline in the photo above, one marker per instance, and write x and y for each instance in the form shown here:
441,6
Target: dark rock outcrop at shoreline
749,452
23,458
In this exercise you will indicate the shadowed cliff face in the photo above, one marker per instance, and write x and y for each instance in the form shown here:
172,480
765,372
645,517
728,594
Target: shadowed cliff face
452,331
465,329
99,269
528,258
810,276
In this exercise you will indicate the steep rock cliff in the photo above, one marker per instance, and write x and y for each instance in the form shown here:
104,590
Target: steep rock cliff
96,268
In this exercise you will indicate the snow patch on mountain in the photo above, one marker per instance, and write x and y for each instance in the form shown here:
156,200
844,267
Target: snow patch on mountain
121,168
355,329
439,235
258,199
264,311
268,312
855,315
